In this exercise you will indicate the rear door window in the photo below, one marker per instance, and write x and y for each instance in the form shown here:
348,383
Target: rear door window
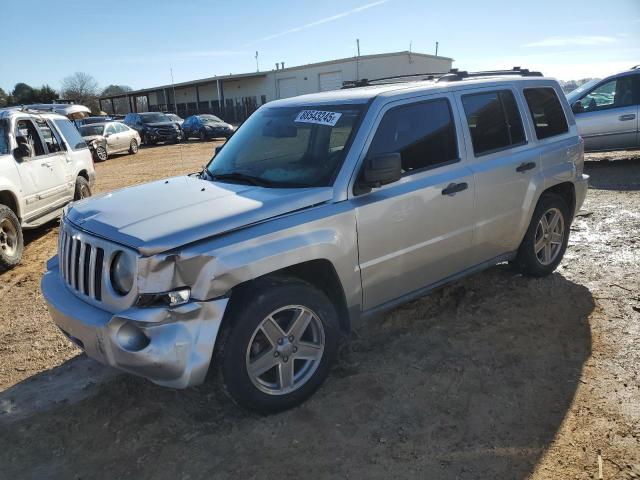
494,121
71,134
422,133
50,139
546,112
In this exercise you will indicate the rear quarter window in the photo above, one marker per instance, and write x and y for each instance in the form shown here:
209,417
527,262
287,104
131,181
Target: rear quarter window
546,112
71,134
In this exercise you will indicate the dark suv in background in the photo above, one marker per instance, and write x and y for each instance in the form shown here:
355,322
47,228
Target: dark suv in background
153,127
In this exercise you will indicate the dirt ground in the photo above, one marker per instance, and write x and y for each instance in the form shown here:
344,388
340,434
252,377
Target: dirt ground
496,376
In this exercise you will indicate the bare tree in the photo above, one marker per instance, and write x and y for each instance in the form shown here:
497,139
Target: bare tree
81,88
116,90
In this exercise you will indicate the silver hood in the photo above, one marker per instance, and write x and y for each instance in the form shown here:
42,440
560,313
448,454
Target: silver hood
158,216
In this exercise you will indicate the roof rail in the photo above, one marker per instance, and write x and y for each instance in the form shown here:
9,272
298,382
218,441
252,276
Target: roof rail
455,74
452,75
384,80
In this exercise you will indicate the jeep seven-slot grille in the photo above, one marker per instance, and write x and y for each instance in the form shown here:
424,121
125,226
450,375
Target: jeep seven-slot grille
81,265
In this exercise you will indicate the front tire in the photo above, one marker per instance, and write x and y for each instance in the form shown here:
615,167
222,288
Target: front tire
83,190
133,147
203,136
280,346
11,241
101,153
546,239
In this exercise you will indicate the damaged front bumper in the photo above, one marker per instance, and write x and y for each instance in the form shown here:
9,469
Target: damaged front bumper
171,347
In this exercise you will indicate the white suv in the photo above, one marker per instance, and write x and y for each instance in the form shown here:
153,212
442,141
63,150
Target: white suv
44,165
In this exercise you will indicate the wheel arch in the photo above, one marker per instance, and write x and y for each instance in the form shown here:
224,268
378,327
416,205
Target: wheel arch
8,198
319,273
84,174
567,191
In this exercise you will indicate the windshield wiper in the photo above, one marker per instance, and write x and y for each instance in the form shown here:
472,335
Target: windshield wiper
243,178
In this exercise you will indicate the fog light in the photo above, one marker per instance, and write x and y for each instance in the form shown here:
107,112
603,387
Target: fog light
173,298
131,338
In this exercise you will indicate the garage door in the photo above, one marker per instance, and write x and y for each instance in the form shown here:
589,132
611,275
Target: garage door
287,87
330,81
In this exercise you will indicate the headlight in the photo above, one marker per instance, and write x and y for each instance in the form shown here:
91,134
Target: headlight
123,270
173,298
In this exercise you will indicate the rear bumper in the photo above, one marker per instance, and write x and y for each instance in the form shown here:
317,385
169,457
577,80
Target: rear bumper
581,186
169,346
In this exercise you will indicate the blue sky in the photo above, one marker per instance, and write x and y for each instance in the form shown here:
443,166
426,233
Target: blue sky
136,42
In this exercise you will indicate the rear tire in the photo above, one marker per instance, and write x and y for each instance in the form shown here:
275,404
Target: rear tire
297,350
133,147
11,240
545,242
83,190
203,136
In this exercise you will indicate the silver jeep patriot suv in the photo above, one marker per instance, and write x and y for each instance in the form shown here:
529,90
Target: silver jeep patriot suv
320,211
44,165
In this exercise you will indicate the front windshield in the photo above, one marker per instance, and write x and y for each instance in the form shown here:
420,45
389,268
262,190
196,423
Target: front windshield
154,118
209,119
578,92
89,130
173,117
289,146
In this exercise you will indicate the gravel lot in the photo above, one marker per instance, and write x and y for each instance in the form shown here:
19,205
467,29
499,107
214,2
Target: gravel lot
495,376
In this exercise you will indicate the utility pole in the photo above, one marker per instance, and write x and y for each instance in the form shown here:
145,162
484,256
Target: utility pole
173,87
436,49
257,67
358,60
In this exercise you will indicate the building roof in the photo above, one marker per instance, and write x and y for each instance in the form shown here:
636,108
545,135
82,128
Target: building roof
240,76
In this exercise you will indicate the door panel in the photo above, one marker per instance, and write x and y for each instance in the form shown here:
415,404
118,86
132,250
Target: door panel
410,235
417,231
503,166
43,175
609,129
502,195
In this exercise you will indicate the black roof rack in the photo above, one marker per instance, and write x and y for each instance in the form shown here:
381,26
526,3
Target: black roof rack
451,76
456,74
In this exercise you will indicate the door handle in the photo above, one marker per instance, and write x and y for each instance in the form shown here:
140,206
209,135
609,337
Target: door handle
523,167
629,116
454,188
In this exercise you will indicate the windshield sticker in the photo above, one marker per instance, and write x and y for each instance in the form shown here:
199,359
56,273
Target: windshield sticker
319,117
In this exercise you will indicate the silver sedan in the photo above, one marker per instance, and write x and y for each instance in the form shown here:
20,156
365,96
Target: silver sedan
105,139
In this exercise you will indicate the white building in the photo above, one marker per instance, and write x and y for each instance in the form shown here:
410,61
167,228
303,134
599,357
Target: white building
235,97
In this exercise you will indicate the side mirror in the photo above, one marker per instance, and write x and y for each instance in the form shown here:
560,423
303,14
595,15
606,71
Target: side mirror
577,107
382,169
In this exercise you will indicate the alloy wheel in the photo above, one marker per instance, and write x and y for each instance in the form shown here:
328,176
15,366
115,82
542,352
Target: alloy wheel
549,236
285,350
8,237
101,153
